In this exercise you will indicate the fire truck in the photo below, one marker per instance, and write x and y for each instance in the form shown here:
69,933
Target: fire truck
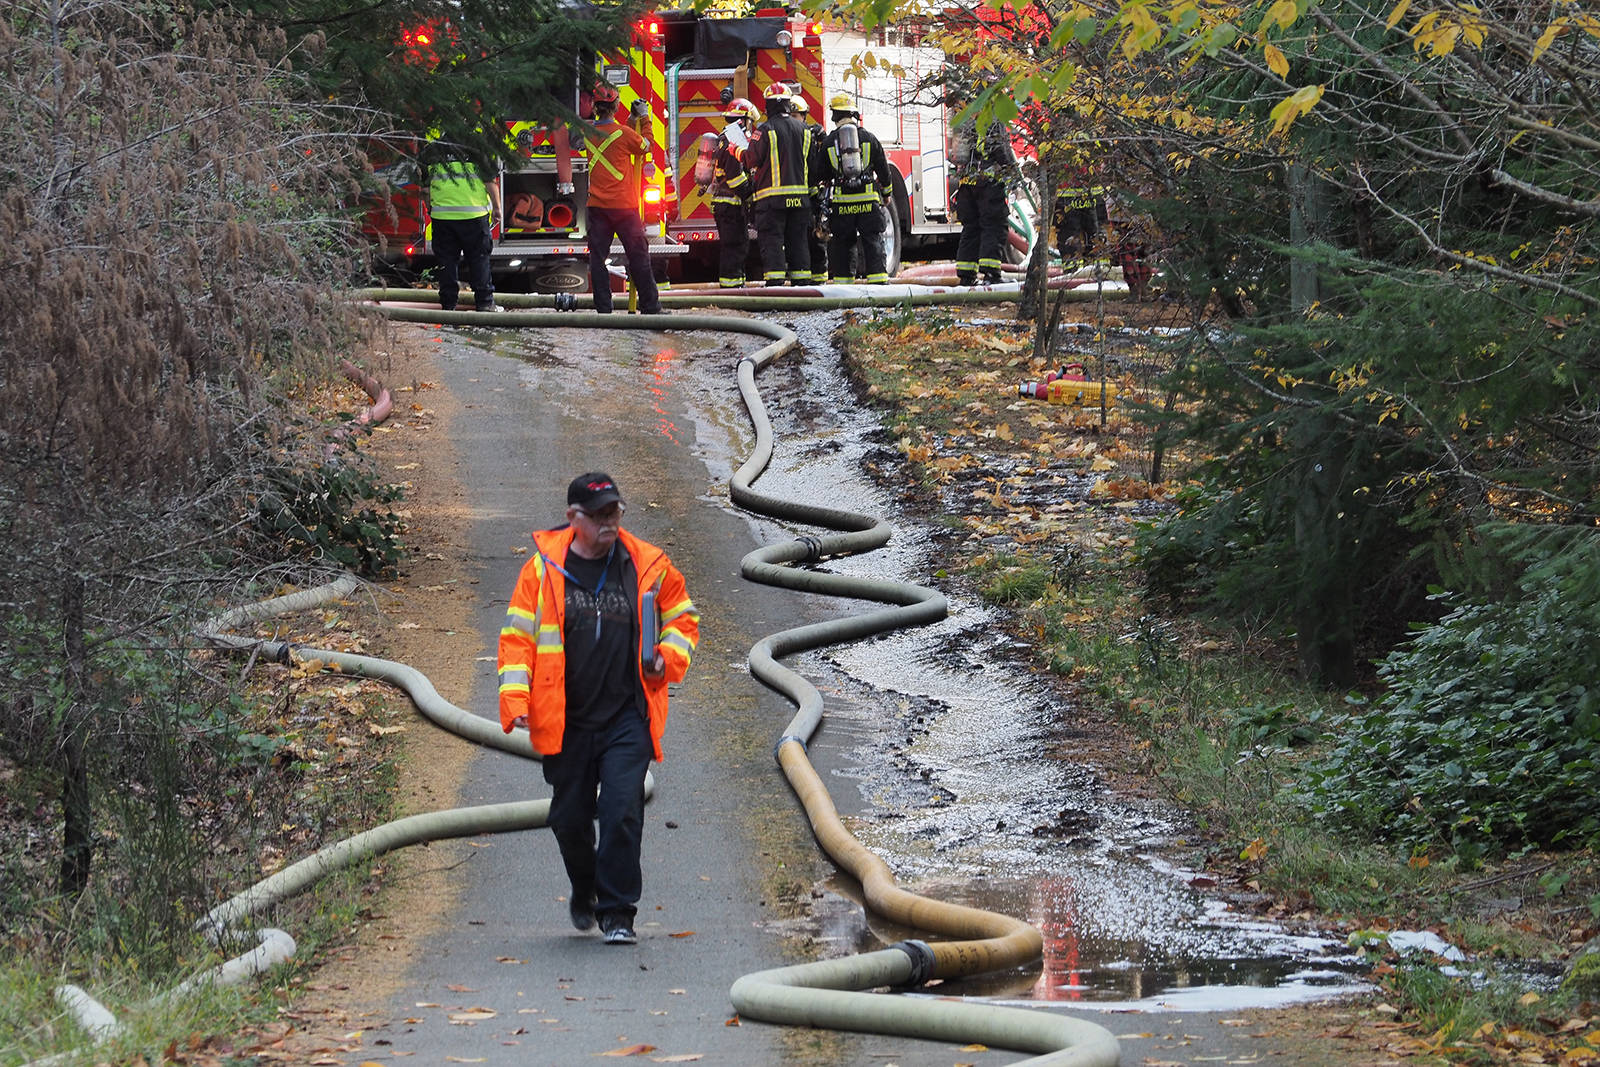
685,68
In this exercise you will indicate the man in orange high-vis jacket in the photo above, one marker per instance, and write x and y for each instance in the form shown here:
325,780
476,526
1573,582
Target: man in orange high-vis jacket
599,624
617,155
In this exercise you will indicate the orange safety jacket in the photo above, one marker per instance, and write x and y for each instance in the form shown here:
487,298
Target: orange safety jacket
533,662
614,176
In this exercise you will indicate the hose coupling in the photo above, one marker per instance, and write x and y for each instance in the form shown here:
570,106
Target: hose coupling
566,301
922,962
813,546
784,740
285,654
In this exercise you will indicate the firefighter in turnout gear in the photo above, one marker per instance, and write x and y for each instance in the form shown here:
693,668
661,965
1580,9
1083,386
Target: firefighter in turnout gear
983,165
817,239
730,192
857,171
777,163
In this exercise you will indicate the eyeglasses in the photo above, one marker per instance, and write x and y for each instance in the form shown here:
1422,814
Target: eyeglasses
610,513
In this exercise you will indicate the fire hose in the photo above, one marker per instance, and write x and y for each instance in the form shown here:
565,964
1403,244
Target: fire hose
826,994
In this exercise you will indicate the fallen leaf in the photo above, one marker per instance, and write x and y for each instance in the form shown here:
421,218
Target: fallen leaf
682,933
682,1057
631,1050
470,1016
463,1059
460,989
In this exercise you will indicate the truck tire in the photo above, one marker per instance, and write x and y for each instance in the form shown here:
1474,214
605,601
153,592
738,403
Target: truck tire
892,238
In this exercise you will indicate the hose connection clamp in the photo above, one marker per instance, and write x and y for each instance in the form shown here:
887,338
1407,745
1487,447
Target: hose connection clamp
285,653
813,545
566,301
785,739
922,962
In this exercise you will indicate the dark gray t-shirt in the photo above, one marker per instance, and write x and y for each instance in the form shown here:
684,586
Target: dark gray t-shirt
600,640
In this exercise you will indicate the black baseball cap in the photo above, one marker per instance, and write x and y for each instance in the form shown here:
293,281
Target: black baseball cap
592,490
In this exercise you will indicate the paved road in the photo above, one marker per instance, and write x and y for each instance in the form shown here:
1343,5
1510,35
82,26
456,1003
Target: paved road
730,867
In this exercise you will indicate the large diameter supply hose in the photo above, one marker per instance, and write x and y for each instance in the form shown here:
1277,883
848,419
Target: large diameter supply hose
822,994
826,993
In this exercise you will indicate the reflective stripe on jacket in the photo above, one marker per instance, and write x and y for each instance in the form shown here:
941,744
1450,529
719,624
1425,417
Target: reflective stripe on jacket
729,184
456,191
533,663
874,169
613,171
778,158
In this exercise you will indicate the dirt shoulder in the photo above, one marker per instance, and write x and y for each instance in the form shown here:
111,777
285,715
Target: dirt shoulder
422,617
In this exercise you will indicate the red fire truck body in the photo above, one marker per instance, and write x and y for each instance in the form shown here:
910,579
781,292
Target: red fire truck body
686,68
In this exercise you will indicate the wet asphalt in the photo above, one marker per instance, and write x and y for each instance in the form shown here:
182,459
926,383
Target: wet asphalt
732,879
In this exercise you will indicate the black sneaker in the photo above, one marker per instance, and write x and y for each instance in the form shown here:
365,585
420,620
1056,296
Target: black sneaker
618,932
580,906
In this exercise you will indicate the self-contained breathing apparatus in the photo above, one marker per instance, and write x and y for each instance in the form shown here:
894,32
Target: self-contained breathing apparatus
849,143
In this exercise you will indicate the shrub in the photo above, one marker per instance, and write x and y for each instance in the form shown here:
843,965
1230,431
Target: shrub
337,509
1489,735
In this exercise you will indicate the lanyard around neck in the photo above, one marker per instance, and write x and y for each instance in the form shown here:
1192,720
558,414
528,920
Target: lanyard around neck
598,586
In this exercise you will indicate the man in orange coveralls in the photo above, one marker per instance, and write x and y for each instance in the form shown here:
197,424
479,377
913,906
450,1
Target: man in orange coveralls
599,624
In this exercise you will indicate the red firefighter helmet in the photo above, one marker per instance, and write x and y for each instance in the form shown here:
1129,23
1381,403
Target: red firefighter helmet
605,93
741,108
777,91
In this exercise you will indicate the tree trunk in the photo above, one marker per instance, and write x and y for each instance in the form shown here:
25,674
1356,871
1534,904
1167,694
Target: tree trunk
1035,284
77,816
1324,606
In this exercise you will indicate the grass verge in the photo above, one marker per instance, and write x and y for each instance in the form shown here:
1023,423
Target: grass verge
1041,502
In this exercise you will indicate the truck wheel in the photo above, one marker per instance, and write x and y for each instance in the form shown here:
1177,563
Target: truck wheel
891,239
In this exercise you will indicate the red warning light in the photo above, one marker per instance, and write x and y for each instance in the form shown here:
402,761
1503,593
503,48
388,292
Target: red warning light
813,29
652,27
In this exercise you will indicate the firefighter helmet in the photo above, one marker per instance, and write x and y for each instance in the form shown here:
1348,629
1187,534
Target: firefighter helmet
777,91
842,102
741,109
605,93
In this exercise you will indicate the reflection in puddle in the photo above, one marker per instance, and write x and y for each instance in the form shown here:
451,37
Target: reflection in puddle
1219,961
662,366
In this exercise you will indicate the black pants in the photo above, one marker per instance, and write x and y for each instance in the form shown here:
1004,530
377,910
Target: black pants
1075,222
857,222
627,227
982,208
612,761
817,243
454,238
783,227
733,243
